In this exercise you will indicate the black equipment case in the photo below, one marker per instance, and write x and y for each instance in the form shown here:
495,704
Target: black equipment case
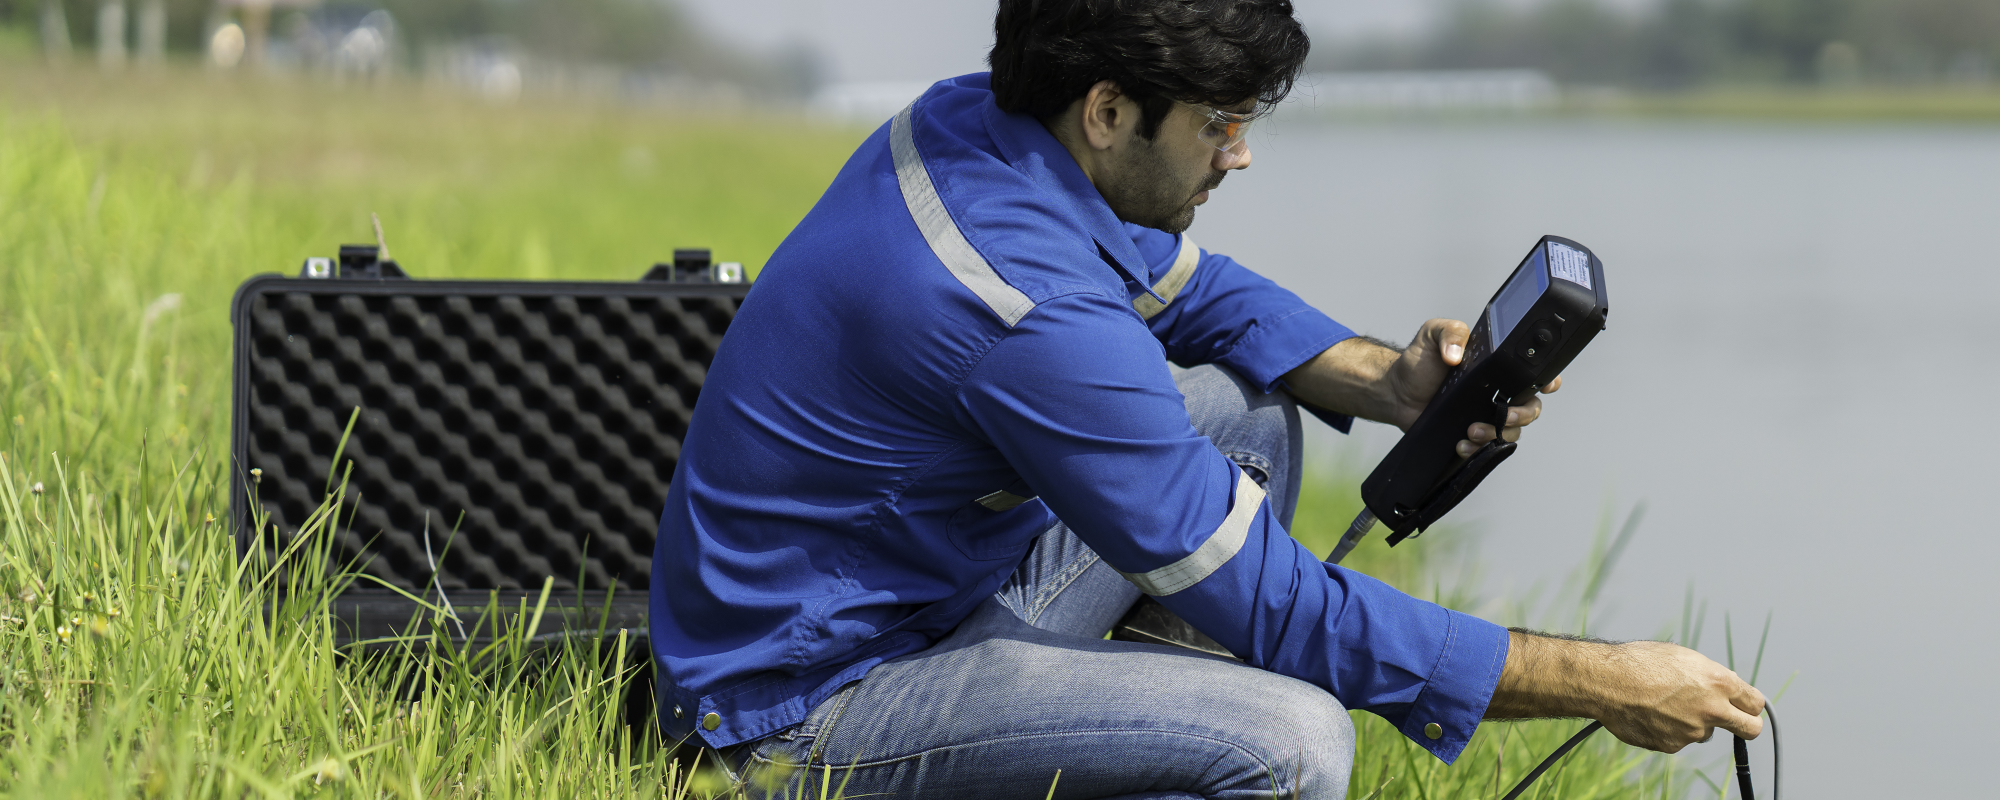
540,419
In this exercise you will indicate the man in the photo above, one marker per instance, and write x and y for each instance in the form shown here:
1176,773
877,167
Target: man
942,451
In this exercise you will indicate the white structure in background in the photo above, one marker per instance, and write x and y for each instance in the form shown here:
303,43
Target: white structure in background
152,32
254,25
345,41
225,45
111,35
55,32
491,68
869,102
365,49
1494,89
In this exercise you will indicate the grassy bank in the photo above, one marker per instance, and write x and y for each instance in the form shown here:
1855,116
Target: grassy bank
136,658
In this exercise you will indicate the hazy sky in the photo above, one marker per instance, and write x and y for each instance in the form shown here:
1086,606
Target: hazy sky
901,40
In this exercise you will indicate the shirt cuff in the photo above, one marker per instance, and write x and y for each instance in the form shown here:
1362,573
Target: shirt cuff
1455,697
1278,345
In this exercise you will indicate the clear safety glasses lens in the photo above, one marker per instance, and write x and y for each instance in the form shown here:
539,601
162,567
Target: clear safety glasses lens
1224,130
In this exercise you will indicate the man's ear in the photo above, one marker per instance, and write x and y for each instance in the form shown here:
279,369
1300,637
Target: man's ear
1108,115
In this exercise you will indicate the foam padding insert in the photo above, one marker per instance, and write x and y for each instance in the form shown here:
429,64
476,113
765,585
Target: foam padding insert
542,421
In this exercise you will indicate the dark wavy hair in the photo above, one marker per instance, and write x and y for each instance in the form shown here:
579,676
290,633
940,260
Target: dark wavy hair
1048,53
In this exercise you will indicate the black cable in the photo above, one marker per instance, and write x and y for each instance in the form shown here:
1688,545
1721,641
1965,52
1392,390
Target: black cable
1742,760
1743,786
1775,772
1553,757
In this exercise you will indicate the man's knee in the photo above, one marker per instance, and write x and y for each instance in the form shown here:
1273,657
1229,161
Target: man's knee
1256,429
1297,740
1217,391
1312,743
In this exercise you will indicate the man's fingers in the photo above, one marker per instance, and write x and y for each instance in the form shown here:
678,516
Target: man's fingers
1524,413
1748,700
1748,726
1552,386
1448,336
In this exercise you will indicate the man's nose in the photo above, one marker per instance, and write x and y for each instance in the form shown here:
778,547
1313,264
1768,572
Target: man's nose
1237,157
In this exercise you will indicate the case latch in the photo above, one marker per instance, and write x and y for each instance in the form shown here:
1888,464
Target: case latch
356,262
693,265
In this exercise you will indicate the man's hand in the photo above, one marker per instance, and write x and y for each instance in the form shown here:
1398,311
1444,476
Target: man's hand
1368,379
1654,695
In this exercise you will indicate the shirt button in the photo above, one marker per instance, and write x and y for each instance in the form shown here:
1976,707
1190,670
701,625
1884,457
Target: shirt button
1432,730
712,720
678,713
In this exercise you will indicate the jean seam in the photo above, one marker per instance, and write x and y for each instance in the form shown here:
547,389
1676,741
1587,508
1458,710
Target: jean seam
1247,752
1046,596
825,731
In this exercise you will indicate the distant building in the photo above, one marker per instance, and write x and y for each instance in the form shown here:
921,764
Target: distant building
1496,89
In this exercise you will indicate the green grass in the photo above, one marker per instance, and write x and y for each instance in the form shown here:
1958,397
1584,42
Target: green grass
136,655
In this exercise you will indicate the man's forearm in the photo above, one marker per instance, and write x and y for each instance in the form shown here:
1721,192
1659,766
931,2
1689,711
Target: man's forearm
1655,695
1549,676
1347,379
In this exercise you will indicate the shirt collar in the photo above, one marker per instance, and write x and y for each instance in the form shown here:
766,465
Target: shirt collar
1030,149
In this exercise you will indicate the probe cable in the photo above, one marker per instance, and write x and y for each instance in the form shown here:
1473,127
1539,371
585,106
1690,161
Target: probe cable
1742,755
1365,521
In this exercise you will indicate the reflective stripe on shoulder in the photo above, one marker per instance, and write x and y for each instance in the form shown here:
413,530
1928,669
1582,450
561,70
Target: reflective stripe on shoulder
945,239
1221,546
1184,263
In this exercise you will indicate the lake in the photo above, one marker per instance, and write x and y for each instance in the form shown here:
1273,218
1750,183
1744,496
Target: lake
1793,381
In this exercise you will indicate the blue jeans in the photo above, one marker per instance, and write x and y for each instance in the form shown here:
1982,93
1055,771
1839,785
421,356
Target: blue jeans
1028,685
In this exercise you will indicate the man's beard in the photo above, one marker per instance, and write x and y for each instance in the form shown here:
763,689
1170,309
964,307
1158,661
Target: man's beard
1151,194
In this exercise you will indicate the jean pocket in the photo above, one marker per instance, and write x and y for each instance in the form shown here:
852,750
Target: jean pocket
1256,466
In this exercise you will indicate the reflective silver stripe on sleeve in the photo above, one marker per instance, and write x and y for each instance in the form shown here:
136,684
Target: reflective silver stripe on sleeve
1221,546
1184,263
945,239
1002,500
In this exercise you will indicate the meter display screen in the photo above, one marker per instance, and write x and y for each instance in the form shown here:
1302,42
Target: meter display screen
1519,295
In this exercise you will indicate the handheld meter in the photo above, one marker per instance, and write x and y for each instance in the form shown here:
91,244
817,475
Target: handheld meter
1540,319
1549,308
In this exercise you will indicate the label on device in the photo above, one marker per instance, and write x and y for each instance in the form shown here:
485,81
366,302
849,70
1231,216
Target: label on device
1569,263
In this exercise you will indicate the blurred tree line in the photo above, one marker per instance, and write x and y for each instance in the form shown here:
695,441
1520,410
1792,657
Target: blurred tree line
1681,43
650,35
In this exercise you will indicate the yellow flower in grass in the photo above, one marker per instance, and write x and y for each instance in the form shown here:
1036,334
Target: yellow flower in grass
328,769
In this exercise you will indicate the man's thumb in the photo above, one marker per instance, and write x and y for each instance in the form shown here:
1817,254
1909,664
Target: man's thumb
1446,337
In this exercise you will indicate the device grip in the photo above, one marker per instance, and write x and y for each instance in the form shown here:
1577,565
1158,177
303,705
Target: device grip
1455,488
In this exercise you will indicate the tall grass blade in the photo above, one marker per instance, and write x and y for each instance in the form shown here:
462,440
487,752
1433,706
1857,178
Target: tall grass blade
1729,641
1757,664
1610,558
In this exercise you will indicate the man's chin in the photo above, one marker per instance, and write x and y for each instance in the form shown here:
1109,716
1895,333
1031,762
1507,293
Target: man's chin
1179,222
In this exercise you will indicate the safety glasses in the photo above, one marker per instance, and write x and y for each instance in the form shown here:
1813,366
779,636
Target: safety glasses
1224,130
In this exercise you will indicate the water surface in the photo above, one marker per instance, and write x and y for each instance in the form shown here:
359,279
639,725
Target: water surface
1795,380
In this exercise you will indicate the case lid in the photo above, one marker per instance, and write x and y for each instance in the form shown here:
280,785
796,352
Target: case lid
542,420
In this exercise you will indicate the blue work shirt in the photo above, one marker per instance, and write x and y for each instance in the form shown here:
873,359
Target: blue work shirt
957,346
